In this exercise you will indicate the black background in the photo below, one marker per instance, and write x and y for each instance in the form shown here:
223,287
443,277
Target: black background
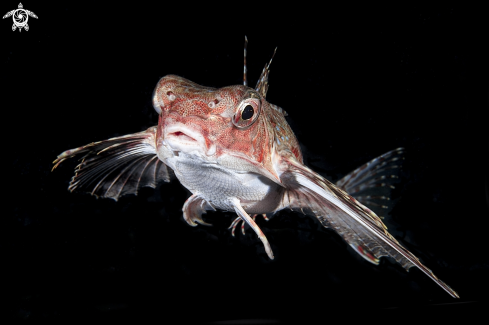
356,82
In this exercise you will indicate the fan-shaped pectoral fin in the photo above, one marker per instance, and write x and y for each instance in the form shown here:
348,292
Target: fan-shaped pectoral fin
372,183
117,166
361,228
193,209
242,213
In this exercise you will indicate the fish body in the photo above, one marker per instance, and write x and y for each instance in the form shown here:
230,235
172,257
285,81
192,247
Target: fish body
235,151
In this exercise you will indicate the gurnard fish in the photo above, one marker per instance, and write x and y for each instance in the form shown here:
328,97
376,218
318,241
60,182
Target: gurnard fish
234,151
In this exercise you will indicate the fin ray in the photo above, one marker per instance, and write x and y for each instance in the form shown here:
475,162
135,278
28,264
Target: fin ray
355,223
117,166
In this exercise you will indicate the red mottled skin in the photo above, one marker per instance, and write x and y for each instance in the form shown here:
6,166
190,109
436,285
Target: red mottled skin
191,107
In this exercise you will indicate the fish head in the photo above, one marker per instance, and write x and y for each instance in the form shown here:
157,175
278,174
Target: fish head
233,125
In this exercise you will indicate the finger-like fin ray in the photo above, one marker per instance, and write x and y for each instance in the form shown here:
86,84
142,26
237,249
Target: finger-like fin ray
245,217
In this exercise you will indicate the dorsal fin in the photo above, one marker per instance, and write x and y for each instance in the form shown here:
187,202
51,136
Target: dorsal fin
262,85
245,71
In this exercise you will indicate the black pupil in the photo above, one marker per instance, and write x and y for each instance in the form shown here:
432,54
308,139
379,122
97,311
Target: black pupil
247,112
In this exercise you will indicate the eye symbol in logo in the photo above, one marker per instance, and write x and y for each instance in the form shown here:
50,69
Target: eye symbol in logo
20,17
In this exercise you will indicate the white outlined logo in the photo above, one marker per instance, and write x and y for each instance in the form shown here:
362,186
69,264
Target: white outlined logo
20,17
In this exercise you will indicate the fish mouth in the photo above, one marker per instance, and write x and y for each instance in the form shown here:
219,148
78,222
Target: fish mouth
181,138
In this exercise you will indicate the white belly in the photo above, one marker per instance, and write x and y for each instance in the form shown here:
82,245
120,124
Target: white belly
216,183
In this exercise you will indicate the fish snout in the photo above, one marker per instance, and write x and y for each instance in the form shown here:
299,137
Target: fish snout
182,138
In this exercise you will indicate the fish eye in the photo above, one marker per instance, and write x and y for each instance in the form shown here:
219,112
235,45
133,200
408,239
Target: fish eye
247,111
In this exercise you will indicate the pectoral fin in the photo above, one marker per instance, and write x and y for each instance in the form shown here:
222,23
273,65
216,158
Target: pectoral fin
359,226
372,183
117,166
